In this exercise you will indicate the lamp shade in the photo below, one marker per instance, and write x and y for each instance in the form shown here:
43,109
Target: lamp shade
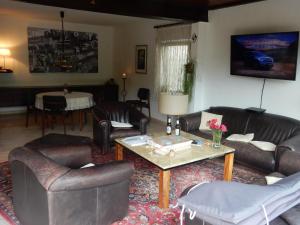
173,104
4,52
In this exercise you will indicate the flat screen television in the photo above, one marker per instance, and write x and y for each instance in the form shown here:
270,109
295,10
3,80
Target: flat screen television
271,55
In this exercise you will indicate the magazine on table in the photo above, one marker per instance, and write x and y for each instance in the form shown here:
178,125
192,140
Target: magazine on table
136,140
165,144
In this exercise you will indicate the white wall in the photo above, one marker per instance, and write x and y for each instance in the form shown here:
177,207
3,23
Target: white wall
216,86
126,39
14,36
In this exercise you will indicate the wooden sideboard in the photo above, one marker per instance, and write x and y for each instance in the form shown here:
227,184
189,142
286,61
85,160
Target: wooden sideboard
25,96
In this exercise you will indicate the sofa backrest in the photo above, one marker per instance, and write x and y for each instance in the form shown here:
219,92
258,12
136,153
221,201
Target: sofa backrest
234,118
116,111
272,128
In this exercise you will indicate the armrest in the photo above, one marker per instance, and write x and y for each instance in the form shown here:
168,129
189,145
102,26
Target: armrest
100,175
288,156
44,169
139,120
190,122
101,131
292,144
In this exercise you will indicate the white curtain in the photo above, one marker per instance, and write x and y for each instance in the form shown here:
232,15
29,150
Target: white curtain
172,53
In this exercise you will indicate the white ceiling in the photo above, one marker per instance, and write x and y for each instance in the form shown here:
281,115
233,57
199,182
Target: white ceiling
34,11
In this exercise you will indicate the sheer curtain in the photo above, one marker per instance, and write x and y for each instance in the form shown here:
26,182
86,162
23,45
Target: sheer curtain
172,53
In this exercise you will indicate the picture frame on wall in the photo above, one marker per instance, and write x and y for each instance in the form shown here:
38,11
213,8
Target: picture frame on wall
141,59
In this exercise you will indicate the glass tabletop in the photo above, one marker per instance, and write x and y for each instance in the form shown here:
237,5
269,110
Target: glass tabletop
183,157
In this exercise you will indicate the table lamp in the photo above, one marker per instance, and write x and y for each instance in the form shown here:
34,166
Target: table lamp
173,104
4,52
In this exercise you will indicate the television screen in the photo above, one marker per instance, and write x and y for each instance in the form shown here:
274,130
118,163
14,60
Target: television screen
272,55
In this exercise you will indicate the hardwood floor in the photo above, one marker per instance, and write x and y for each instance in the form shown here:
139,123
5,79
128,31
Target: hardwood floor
13,132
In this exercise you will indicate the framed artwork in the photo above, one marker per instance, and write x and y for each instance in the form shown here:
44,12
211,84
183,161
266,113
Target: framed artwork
141,59
46,50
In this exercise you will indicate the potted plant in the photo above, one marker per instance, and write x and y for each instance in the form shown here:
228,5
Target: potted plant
188,83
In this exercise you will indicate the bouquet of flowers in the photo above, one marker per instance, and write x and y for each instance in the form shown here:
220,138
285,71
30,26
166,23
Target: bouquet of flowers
217,131
213,124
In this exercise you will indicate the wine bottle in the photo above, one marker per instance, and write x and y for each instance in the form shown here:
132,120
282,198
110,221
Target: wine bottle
169,126
177,128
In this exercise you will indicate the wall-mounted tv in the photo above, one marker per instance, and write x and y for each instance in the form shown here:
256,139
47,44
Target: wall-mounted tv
272,55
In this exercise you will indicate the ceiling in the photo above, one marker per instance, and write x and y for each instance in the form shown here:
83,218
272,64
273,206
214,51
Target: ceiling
40,12
175,10
117,12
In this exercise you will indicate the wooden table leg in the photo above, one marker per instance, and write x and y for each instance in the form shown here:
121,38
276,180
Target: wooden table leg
164,188
119,155
228,166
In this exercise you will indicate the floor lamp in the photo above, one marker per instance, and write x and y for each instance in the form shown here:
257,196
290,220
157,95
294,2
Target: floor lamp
124,77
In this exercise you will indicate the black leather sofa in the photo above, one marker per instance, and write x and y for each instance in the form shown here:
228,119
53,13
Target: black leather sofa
282,131
50,189
103,132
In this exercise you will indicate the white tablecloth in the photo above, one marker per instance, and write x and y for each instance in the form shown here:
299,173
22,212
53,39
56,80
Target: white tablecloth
75,100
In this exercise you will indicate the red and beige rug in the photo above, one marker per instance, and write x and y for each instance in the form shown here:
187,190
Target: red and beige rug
143,194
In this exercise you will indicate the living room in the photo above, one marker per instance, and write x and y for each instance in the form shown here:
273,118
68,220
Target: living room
118,37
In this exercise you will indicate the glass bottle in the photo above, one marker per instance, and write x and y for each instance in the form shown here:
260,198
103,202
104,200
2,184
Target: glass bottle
177,128
169,126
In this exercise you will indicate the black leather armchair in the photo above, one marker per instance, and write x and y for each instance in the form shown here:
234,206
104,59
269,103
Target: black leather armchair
104,134
49,189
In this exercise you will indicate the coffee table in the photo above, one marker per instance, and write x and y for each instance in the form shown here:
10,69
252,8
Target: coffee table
167,162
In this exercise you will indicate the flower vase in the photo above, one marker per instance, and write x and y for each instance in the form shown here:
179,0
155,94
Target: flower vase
217,137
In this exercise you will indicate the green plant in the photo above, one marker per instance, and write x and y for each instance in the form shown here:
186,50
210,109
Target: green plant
188,83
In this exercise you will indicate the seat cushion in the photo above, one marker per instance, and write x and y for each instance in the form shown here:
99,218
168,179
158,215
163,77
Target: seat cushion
207,134
57,140
252,156
123,132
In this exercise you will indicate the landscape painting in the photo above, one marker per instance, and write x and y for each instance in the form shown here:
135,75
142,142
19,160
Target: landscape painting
272,55
51,51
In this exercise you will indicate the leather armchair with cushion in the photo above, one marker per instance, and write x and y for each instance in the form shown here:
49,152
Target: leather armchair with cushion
103,132
281,131
50,189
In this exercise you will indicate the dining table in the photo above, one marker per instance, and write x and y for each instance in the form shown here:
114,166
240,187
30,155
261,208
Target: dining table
76,101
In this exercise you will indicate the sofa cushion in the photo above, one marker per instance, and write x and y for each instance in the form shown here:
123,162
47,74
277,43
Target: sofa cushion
272,128
241,137
206,117
264,145
250,155
57,140
234,118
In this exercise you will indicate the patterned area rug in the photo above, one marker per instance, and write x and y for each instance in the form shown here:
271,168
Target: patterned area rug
143,194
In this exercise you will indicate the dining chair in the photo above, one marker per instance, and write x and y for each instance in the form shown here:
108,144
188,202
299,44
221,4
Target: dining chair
53,105
144,100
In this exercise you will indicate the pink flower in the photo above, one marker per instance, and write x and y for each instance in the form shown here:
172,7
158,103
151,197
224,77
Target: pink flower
223,128
213,124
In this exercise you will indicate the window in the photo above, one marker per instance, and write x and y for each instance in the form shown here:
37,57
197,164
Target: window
173,50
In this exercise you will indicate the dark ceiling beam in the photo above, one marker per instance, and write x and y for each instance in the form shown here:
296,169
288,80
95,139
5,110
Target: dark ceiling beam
231,4
175,10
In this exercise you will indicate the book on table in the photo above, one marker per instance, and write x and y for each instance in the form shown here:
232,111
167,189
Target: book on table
164,144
